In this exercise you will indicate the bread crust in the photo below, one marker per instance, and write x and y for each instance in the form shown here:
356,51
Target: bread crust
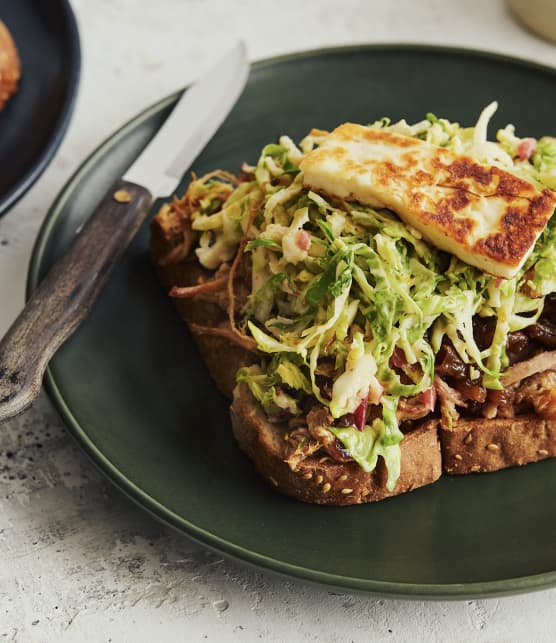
321,480
474,446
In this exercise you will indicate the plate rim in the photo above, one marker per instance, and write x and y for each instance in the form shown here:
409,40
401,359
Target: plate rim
389,589
42,161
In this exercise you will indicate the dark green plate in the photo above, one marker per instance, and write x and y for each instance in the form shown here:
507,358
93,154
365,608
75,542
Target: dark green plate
132,389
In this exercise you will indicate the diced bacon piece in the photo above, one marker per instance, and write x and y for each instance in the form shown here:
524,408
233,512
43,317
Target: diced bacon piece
360,413
526,148
303,240
398,358
429,398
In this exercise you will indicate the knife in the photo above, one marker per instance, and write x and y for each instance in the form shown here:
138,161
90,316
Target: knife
66,295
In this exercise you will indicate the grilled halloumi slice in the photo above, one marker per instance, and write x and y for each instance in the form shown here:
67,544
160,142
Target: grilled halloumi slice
486,216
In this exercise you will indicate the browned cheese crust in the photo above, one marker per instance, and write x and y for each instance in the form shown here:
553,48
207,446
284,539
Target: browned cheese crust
441,189
10,67
474,446
320,480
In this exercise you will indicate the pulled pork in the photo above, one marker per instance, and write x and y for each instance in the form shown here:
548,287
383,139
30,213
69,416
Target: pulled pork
528,357
412,408
542,362
449,398
318,421
538,393
246,342
303,441
299,445
215,290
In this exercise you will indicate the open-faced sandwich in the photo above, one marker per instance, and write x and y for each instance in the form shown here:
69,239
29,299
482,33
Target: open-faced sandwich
380,302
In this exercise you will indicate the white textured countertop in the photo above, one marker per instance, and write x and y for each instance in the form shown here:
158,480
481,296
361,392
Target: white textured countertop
79,561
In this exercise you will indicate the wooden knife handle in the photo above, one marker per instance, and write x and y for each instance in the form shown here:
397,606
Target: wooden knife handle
66,295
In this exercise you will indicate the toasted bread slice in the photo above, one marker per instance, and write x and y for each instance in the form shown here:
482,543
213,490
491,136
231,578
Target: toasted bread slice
474,446
319,479
165,236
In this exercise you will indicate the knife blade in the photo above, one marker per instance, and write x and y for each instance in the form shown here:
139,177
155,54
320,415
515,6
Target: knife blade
67,293
193,122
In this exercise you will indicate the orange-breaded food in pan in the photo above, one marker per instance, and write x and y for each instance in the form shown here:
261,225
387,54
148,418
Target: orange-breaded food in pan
10,66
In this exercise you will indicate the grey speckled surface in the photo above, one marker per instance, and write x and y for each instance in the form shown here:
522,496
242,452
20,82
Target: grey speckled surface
80,562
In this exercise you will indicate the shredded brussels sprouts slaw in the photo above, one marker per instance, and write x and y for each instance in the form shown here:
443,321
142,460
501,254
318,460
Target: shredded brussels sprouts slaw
340,289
